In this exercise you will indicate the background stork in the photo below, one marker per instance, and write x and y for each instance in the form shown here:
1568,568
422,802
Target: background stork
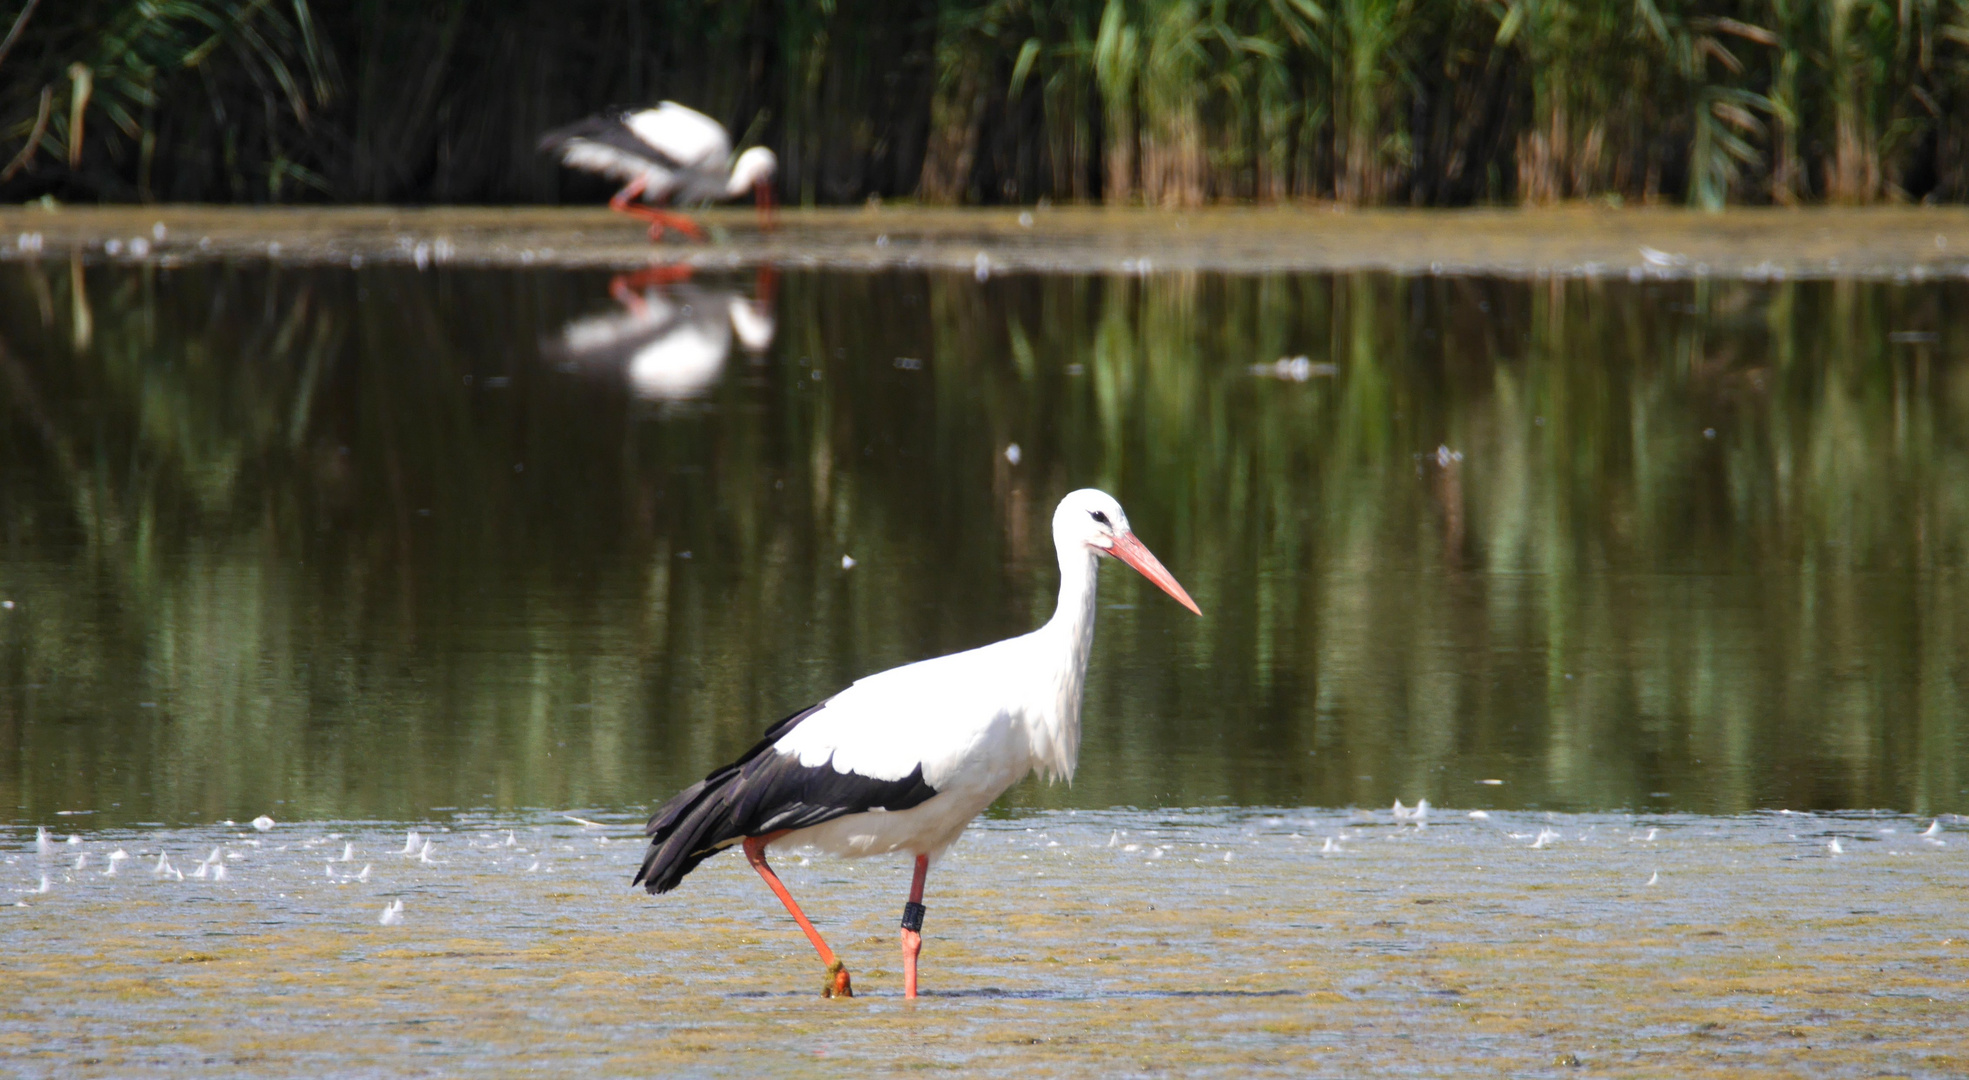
668,154
903,760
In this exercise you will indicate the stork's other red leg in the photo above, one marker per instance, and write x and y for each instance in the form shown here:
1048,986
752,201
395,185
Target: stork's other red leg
622,203
912,927
660,219
625,203
755,853
627,289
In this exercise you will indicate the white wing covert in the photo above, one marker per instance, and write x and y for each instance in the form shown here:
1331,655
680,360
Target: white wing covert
880,727
687,136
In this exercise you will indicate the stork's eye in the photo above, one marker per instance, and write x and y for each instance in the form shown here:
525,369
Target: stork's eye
1101,517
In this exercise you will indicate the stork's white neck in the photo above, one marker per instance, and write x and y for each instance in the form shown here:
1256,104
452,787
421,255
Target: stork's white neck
1064,643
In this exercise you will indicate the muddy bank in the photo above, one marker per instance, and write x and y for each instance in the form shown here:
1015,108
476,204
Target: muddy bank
1248,942
1877,242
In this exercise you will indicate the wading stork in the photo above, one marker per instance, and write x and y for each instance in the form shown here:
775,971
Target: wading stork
903,760
667,154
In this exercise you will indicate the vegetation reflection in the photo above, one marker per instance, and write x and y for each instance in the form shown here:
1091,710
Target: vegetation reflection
353,543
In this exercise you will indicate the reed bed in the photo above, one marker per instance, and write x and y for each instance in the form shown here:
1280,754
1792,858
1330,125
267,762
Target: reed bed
1164,102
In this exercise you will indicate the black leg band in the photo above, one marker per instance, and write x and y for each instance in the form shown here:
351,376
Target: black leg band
912,917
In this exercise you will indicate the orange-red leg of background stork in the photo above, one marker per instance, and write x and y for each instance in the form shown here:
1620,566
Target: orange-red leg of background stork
658,219
627,289
837,972
912,936
768,219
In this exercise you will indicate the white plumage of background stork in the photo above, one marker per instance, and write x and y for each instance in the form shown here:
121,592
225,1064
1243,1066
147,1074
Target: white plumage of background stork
668,154
902,761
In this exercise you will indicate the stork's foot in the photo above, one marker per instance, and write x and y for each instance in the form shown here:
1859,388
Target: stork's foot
837,982
665,220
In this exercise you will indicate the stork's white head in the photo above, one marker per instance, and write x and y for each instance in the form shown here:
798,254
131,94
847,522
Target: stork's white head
1089,517
752,321
753,168
1093,520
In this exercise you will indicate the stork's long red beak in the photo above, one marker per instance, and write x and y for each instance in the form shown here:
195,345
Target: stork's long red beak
1134,553
763,192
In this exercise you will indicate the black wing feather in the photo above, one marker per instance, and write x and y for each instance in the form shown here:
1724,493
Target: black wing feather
611,130
762,793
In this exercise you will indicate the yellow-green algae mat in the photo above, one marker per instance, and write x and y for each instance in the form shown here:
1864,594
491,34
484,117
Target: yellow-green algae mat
1307,942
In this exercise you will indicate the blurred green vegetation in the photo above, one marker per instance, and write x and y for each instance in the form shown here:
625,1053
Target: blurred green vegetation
1170,102
341,543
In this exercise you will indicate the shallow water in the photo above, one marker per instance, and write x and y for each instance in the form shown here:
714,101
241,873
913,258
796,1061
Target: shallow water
385,543
1215,942
419,546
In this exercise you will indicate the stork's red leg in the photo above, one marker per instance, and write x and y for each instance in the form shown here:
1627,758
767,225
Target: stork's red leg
624,202
912,927
623,199
755,853
661,218
628,288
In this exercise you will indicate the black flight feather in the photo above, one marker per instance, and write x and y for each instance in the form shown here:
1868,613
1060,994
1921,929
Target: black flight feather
611,130
762,792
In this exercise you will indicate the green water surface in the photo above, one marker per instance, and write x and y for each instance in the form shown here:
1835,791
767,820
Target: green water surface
371,543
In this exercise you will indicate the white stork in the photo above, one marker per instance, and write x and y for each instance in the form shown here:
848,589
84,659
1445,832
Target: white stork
903,760
668,153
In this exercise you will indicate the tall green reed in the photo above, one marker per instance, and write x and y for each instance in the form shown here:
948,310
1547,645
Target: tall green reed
1166,102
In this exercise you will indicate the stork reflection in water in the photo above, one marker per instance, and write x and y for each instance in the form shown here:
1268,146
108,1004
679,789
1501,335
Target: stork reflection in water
671,337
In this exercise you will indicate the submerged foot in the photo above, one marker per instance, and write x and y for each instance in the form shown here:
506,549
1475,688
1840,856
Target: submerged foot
837,982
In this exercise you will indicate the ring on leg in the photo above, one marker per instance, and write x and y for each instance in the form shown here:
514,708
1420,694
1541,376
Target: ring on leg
912,945
912,926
